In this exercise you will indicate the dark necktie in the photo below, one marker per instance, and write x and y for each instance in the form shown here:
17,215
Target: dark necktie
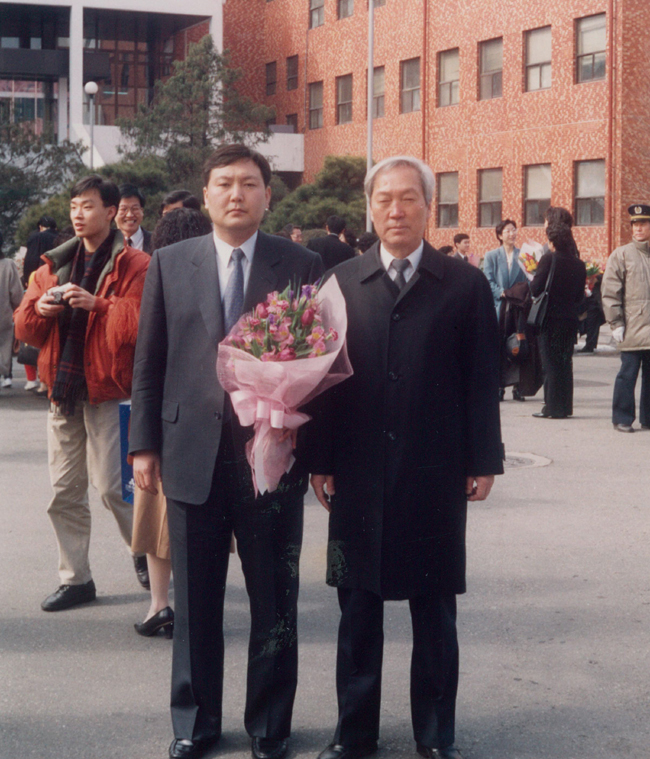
233,299
400,266
129,242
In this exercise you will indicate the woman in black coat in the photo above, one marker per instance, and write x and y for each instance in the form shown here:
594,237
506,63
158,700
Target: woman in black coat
557,336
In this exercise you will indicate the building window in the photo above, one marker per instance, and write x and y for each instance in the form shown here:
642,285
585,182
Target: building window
344,99
448,199
410,78
292,121
589,192
346,8
292,72
316,105
448,76
537,193
538,59
491,69
271,77
379,3
316,13
378,92
490,193
591,42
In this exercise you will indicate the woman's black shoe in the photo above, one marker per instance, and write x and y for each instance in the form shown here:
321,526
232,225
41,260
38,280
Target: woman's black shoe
516,395
163,621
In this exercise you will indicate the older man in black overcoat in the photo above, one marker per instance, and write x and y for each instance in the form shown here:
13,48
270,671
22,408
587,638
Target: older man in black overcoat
398,450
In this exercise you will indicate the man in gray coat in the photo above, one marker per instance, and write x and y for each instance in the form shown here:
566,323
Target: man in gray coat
626,302
397,450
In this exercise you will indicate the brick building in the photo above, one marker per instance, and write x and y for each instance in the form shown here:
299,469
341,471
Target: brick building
514,104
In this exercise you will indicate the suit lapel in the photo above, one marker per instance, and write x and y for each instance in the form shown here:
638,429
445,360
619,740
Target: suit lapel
205,283
263,278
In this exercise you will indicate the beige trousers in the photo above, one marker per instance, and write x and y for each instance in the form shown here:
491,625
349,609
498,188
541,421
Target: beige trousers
86,443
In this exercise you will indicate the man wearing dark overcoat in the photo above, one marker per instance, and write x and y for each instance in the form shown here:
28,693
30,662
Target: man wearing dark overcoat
398,450
183,428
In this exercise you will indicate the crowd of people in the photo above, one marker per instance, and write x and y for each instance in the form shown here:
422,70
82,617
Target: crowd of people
115,311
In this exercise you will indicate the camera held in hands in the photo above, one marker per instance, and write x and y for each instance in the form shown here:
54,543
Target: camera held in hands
56,294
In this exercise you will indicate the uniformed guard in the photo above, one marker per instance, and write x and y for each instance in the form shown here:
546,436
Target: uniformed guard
626,301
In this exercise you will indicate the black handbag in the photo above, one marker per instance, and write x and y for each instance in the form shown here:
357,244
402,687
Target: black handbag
537,313
27,354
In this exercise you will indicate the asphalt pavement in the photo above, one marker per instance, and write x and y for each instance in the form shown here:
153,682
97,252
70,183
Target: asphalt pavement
554,629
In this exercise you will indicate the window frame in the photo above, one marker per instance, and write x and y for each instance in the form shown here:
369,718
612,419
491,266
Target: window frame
445,208
579,56
410,94
540,66
271,83
529,203
448,84
590,202
494,75
378,99
292,78
344,106
316,13
349,7
318,110
493,204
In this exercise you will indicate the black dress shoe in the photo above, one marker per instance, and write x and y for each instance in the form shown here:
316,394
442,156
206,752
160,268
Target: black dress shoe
337,751
163,622
142,571
67,596
516,395
439,753
180,749
502,393
268,748
543,415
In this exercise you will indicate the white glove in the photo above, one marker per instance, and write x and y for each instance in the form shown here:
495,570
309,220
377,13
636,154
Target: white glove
588,292
618,334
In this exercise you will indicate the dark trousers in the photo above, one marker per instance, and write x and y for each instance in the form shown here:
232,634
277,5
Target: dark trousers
268,530
624,410
434,668
556,343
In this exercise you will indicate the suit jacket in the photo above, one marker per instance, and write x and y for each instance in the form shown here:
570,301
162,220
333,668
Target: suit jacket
419,415
177,401
331,250
495,268
460,257
147,245
567,288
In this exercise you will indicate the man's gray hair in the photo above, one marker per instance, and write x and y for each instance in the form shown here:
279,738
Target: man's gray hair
426,175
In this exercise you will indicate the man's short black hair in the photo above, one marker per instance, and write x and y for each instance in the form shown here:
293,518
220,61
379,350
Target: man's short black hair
366,240
460,237
47,222
107,190
181,196
445,250
225,155
335,224
558,215
131,191
180,224
501,226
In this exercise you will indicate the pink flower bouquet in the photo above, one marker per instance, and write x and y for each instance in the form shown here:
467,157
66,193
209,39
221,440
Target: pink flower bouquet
283,354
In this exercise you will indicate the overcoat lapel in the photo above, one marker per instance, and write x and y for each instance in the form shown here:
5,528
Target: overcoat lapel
263,277
205,282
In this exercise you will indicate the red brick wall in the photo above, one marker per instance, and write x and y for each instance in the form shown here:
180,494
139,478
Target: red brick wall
567,123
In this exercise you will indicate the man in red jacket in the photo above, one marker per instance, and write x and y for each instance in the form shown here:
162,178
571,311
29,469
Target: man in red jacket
82,311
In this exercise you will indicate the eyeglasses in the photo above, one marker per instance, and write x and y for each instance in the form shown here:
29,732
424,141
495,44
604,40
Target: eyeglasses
124,210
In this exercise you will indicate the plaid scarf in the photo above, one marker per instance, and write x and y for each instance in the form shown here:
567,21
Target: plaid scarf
70,384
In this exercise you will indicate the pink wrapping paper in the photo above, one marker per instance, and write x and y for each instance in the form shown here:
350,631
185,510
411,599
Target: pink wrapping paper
267,394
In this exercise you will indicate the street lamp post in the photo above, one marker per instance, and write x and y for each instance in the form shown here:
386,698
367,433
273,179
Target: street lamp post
371,78
91,89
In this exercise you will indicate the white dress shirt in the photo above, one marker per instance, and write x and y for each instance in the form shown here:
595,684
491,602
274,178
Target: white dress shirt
225,264
414,258
137,239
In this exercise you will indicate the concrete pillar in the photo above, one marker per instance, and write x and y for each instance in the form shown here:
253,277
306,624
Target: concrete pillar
76,93
63,109
216,26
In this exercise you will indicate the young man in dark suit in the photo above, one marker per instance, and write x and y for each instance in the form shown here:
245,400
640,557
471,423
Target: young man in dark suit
397,450
330,248
183,428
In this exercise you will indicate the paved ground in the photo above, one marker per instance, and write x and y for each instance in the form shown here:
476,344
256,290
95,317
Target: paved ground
554,629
